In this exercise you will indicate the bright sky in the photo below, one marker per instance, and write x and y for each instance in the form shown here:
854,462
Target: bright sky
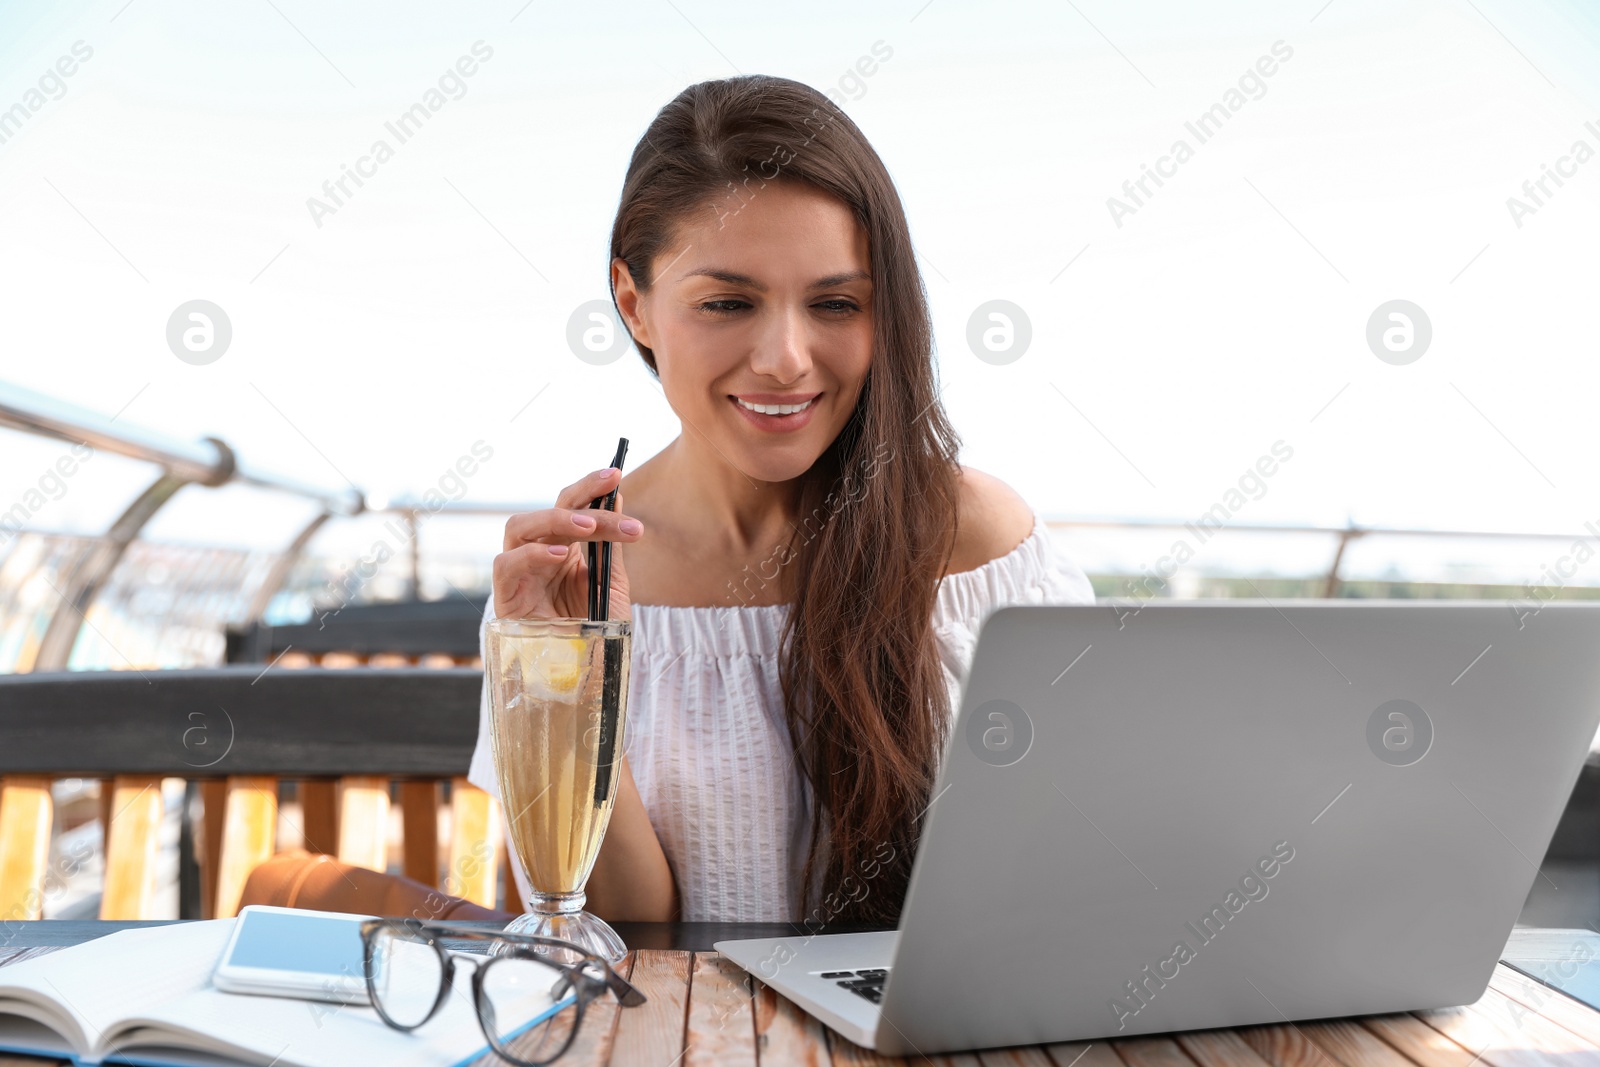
1168,353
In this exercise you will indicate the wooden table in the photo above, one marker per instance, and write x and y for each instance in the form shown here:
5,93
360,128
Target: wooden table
705,1010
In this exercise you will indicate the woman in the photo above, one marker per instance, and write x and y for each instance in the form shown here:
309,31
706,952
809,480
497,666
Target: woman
806,565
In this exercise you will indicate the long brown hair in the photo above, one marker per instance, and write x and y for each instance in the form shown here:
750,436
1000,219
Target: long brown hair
864,692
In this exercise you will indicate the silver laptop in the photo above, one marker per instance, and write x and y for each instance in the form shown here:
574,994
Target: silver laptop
1218,813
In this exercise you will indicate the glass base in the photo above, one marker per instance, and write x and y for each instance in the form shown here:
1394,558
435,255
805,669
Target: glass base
581,928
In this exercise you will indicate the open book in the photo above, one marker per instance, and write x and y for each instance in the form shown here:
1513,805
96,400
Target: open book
145,997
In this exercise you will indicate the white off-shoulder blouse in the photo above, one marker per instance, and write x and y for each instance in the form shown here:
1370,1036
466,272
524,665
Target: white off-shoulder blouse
707,741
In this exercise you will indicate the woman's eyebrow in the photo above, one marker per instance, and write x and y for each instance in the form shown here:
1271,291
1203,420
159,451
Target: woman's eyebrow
731,277
839,279
735,278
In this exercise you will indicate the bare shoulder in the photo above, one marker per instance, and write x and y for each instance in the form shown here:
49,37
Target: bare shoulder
994,520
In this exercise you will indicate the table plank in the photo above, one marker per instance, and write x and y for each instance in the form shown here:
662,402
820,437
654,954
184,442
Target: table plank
1031,1056
1509,1036
1083,1054
1548,1035
785,1035
1353,1044
653,1032
721,1020
1550,1003
847,1053
17,955
1151,1052
1551,944
1283,1046
1069,1054
1418,1041
1219,1048
598,1037
64,933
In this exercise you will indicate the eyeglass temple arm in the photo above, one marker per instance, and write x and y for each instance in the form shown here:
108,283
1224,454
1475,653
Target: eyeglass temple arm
625,991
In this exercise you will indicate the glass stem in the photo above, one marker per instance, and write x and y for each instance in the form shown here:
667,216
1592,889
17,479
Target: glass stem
558,903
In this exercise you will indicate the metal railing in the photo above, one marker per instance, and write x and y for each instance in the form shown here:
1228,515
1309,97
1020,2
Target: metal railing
209,463
1344,535
84,566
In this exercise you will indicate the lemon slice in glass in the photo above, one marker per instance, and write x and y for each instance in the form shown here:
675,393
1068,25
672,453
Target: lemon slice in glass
561,662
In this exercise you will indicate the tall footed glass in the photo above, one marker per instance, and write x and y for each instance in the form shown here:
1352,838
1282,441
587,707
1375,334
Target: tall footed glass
558,702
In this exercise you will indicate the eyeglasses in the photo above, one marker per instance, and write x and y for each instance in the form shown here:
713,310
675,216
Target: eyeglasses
410,972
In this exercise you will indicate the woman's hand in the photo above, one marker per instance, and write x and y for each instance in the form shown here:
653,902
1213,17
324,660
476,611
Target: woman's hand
543,571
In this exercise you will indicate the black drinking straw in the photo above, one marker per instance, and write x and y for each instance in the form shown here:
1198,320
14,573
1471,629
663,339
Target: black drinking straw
600,611
600,569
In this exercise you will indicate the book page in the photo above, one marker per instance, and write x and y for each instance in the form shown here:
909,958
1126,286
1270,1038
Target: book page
19,1033
100,982
22,1011
138,991
305,1033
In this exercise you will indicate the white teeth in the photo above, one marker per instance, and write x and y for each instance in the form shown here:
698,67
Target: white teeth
776,409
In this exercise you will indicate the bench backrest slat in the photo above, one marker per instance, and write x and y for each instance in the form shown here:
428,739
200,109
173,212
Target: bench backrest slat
404,722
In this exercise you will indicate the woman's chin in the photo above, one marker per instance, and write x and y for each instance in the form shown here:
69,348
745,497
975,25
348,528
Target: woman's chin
773,462
765,469
768,457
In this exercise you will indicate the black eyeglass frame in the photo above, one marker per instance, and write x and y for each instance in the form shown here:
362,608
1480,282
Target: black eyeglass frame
577,975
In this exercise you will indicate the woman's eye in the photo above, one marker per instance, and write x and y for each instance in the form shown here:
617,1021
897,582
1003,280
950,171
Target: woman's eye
730,306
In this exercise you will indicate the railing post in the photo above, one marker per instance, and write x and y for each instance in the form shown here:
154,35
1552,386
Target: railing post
283,567
90,573
412,527
1330,586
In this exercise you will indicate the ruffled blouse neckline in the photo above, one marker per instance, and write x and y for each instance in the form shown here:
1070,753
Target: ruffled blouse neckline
755,630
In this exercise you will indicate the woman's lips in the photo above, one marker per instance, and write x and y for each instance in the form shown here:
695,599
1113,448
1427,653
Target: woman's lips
776,423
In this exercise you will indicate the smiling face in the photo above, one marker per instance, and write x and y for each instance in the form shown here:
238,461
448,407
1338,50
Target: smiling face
761,326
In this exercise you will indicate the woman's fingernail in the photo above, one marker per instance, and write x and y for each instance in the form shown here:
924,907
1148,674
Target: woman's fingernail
583,522
630,526
558,550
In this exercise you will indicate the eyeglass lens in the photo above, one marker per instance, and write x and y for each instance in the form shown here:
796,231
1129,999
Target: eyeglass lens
408,974
514,990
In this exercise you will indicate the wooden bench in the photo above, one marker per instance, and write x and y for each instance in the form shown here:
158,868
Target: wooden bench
342,735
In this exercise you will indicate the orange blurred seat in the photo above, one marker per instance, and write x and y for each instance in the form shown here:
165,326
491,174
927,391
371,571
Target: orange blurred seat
319,882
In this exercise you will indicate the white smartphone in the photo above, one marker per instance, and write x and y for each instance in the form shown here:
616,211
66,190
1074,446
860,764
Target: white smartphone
287,952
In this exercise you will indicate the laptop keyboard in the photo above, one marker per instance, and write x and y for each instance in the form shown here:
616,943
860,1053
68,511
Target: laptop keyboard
867,982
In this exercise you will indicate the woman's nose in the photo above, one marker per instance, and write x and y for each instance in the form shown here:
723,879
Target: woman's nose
782,351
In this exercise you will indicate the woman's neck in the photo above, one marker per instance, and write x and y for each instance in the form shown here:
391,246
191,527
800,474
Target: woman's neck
705,493
713,536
